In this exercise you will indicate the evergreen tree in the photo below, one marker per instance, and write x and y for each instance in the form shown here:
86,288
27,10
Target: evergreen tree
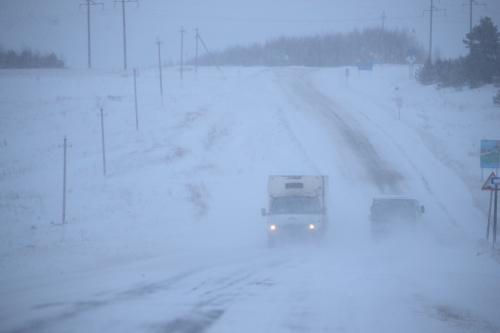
480,66
450,73
483,62
28,59
496,99
427,74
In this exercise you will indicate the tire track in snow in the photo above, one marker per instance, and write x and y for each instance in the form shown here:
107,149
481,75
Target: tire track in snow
215,295
74,309
425,182
206,293
378,171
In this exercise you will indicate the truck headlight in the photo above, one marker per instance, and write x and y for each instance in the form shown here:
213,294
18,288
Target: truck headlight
311,226
272,227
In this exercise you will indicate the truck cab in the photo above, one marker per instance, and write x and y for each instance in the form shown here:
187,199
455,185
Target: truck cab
296,208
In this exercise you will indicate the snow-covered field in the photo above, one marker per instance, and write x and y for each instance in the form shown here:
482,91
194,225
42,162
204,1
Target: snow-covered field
171,238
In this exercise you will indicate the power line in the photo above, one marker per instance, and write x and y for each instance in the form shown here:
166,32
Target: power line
29,21
210,55
147,12
136,1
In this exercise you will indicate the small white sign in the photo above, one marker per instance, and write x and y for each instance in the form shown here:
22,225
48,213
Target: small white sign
495,180
411,59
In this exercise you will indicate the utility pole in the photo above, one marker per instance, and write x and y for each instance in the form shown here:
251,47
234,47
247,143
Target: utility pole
88,42
495,214
472,3
383,17
430,36
182,31
103,145
135,98
159,63
64,183
125,31
196,56
124,38
432,9
470,24
89,2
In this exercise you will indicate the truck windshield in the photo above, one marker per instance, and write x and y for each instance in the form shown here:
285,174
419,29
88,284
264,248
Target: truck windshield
295,205
394,209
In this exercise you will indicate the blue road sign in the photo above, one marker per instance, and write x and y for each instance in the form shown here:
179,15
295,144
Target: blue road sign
490,154
365,66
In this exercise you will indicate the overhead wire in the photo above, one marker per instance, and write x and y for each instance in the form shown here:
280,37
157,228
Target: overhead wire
62,17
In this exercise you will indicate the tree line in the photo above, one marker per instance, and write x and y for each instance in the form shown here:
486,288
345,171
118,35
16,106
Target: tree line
28,59
325,50
481,66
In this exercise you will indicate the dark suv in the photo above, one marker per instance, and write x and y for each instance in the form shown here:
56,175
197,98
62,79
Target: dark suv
390,213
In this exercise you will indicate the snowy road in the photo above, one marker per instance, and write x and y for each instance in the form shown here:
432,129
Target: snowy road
296,289
348,283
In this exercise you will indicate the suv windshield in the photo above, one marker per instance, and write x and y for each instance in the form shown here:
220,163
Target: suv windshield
394,209
295,205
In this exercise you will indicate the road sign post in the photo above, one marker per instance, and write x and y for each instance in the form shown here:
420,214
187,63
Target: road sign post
347,72
399,104
495,181
411,59
492,184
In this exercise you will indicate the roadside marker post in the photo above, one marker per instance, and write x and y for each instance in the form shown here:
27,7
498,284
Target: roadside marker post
492,185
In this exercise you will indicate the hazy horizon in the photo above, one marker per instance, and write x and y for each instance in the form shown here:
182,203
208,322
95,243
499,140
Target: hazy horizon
61,26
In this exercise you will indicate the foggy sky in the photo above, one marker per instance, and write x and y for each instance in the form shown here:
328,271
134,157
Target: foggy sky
60,26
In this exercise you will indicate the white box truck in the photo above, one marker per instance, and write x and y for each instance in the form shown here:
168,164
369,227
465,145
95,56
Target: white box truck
296,207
